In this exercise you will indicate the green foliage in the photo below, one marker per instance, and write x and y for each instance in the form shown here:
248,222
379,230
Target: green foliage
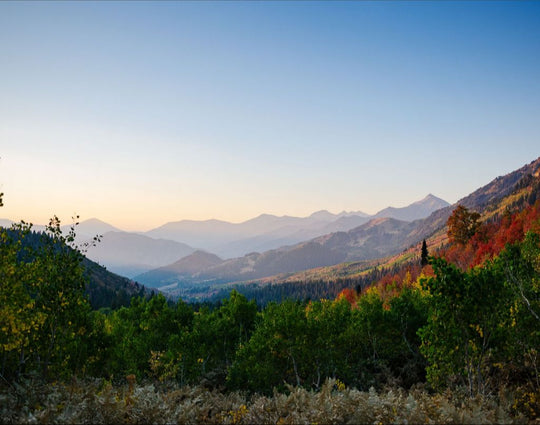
521,264
466,309
19,318
482,321
274,354
60,297
303,344
43,316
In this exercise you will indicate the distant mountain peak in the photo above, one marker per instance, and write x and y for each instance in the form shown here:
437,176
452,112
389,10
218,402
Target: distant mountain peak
91,227
416,210
323,215
432,199
94,220
265,215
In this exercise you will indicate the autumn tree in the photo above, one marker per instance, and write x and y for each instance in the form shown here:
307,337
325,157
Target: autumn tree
462,225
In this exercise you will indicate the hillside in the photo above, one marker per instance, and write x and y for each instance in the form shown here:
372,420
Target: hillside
365,242
130,254
512,192
375,240
106,289
183,268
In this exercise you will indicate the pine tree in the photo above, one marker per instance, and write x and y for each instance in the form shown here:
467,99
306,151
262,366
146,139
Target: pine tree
424,260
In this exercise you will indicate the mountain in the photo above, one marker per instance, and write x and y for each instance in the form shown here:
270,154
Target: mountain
106,289
485,198
94,226
267,232
130,254
371,240
345,223
234,239
379,237
415,211
87,229
196,233
501,187
183,268
214,235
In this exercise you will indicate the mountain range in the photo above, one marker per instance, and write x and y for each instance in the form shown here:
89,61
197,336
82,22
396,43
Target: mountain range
365,237
376,238
265,232
341,242
132,254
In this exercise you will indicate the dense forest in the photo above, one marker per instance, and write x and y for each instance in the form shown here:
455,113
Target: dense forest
462,326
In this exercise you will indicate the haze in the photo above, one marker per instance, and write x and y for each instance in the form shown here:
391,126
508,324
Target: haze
141,113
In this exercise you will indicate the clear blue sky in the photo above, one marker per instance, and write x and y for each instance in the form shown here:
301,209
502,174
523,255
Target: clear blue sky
141,113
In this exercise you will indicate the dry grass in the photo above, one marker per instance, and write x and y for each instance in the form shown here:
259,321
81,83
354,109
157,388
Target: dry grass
99,402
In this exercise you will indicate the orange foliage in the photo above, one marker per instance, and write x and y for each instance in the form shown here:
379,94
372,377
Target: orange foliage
350,295
488,241
491,238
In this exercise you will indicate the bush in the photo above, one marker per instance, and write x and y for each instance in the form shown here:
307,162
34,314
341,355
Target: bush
98,401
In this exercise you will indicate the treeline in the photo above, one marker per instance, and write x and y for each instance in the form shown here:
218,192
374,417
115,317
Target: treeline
308,290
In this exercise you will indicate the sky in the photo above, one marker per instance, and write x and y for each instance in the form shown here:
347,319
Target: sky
141,113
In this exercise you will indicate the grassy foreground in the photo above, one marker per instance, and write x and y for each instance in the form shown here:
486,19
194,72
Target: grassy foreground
99,402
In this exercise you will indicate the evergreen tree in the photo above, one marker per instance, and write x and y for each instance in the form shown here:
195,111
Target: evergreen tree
424,260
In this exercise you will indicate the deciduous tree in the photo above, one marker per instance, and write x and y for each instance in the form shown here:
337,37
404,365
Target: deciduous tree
462,225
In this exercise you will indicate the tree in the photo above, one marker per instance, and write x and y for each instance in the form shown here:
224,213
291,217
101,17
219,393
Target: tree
20,321
43,309
522,270
424,261
463,333
521,265
276,352
462,225
59,295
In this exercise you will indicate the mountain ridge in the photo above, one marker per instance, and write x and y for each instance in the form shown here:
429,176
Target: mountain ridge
131,256
379,237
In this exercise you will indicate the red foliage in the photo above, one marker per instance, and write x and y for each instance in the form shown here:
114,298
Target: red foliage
488,241
491,238
349,294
